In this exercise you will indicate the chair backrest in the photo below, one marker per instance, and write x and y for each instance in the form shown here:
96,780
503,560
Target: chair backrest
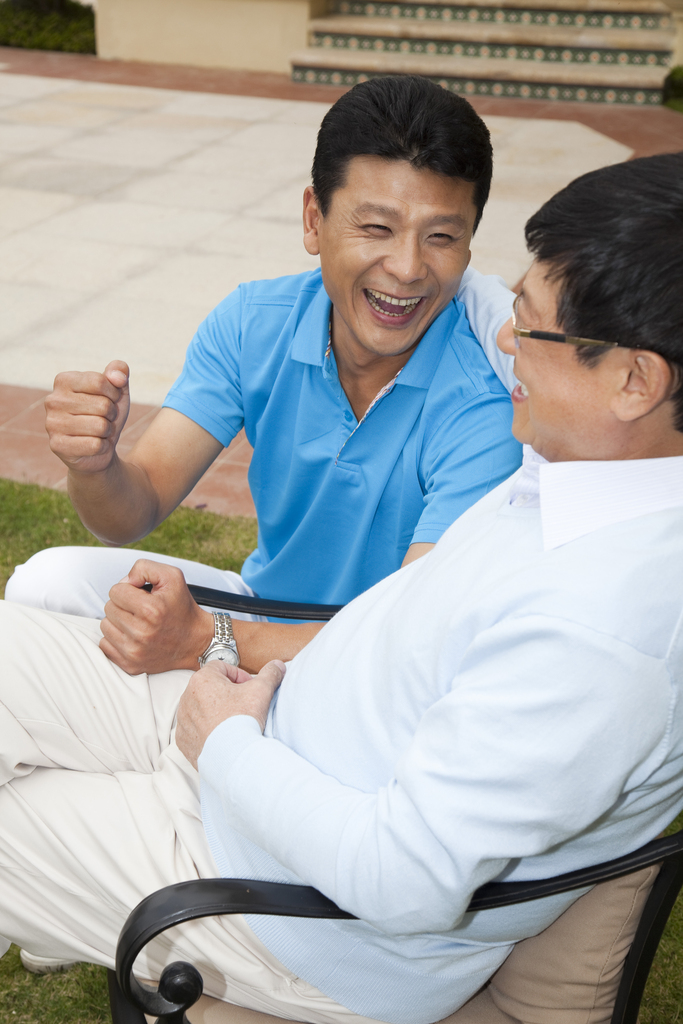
668,853
648,934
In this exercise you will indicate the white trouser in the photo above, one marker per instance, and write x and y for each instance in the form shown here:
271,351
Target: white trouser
98,808
77,580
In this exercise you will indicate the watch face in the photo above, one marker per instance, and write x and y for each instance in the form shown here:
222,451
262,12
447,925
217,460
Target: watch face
225,654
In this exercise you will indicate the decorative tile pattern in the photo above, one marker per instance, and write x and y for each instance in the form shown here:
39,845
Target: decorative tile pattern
555,54
502,15
481,87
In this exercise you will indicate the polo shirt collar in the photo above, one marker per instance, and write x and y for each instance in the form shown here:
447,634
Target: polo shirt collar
420,369
577,498
310,341
311,334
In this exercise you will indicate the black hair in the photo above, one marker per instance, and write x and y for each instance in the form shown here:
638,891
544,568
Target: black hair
403,117
614,240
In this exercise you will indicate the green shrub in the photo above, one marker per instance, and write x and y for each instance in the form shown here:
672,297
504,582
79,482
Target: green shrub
47,25
673,89
41,6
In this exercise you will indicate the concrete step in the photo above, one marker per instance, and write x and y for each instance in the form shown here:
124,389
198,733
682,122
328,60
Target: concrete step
439,9
502,49
490,76
505,68
542,33
534,43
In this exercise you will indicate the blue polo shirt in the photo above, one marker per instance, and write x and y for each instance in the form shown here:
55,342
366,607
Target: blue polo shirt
337,506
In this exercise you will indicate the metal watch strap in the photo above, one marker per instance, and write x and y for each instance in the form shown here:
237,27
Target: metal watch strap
223,637
223,633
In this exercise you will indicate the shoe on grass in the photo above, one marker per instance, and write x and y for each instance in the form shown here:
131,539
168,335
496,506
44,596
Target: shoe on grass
44,964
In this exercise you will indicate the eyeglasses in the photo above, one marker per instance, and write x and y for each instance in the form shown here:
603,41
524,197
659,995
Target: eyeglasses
522,332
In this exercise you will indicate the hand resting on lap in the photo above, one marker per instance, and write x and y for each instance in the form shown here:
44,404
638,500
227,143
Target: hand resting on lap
222,691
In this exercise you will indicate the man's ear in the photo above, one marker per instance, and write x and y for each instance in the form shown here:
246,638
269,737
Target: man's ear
312,220
648,383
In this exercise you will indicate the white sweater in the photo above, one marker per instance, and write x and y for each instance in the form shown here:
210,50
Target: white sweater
493,710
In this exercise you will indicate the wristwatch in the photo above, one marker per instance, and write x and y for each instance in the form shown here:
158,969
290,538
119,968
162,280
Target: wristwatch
223,646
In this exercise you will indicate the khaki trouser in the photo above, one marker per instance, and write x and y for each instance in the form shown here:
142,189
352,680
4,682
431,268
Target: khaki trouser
98,808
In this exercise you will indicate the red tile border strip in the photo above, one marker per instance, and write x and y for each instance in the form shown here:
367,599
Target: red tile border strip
24,452
646,132
85,67
25,455
655,130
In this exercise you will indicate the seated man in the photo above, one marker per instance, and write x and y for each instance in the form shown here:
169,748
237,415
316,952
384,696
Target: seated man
508,706
375,416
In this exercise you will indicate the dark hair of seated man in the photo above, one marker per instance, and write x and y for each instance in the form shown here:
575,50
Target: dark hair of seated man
403,117
614,241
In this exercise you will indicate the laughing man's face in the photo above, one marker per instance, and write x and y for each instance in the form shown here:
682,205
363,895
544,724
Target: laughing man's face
393,248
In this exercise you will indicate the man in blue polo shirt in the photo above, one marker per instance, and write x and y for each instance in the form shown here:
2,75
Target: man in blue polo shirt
407,478
375,416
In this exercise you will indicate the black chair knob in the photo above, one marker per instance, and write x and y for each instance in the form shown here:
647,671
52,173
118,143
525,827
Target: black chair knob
181,983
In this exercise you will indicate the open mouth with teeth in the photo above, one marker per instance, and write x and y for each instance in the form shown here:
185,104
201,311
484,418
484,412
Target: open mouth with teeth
389,305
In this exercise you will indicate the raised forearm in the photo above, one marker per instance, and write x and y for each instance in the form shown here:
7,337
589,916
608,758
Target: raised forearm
118,505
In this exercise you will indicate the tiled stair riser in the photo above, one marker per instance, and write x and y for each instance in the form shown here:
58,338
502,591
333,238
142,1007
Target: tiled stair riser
482,87
565,54
566,38
505,15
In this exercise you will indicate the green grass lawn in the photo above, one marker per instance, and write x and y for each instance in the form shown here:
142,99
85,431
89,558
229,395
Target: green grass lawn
78,996
32,518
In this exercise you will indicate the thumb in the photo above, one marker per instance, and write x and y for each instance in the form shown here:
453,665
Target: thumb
146,571
117,373
273,673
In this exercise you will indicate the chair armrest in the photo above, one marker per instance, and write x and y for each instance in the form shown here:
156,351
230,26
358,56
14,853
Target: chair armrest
504,894
260,606
180,985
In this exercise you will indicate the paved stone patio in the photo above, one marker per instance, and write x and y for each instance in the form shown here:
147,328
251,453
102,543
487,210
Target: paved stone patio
128,211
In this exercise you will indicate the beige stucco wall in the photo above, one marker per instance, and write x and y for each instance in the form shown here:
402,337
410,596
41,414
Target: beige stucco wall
677,16
254,35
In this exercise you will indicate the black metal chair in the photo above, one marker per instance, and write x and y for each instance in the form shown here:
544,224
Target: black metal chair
181,984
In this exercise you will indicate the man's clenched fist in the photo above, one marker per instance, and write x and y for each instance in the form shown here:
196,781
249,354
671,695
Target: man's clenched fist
86,413
157,629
